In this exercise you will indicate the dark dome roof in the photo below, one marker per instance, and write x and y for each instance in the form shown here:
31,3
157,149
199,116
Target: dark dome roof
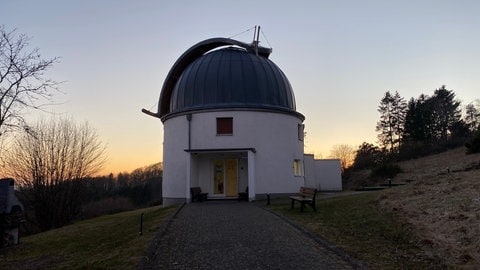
232,77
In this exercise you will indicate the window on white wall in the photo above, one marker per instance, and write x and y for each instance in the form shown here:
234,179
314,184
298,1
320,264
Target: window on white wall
224,126
298,167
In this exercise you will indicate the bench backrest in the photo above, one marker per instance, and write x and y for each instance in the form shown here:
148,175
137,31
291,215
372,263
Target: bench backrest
308,192
195,190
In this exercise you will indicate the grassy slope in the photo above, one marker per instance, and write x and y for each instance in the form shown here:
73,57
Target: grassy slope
432,222
443,203
111,241
356,224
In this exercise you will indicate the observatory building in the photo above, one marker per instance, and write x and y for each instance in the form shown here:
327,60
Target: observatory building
231,125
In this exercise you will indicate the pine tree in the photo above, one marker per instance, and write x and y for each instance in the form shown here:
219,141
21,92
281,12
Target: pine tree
446,114
400,112
392,111
433,119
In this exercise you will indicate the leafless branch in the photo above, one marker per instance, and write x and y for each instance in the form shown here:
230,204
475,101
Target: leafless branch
22,79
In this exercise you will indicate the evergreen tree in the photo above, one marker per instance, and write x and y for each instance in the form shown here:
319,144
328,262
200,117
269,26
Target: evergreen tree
392,111
412,120
400,112
419,124
433,120
446,113
367,156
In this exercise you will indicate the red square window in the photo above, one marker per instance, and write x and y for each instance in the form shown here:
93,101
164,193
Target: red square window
225,126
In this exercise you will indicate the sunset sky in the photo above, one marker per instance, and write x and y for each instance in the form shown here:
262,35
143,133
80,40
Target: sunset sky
340,58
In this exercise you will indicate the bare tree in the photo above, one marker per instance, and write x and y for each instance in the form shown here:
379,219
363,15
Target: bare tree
472,115
49,161
22,82
344,152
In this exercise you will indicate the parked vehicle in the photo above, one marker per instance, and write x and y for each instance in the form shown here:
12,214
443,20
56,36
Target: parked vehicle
9,203
11,212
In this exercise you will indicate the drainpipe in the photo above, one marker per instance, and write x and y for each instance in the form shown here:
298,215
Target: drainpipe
189,160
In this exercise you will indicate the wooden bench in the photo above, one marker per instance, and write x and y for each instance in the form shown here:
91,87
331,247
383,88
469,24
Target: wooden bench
198,195
306,196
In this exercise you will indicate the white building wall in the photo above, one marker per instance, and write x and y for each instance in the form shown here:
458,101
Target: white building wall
329,174
242,174
274,136
323,174
174,160
205,173
310,178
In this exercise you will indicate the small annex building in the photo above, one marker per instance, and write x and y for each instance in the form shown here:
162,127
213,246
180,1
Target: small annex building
230,122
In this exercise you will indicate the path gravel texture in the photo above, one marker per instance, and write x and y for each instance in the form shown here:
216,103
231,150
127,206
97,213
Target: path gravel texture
239,235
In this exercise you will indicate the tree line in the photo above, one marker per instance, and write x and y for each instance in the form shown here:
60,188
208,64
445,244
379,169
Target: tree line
419,127
142,186
53,165
50,206
54,161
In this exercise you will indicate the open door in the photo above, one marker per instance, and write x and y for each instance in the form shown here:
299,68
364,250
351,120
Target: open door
225,177
218,177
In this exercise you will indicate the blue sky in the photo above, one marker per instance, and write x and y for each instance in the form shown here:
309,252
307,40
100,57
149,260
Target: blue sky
340,57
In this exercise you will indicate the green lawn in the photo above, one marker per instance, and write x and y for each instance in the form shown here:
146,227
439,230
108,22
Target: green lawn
107,242
356,224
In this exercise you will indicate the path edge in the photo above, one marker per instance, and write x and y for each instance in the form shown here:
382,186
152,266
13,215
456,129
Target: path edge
320,240
147,260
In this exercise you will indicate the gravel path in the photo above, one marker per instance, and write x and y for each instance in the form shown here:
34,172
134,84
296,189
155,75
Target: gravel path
239,235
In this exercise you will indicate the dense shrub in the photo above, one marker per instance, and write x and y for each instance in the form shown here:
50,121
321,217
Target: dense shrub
106,206
473,146
388,170
367,156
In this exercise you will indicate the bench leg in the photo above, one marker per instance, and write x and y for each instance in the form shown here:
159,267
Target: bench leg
302,205
292,203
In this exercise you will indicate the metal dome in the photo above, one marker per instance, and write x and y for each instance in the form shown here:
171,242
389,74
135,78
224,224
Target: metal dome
227,78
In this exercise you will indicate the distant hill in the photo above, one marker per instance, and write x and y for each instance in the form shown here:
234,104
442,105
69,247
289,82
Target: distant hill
442,200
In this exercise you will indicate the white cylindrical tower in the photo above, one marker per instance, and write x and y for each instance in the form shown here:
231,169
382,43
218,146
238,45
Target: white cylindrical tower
230,124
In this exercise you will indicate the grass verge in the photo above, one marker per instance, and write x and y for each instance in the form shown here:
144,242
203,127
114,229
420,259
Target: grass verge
107,242
356,224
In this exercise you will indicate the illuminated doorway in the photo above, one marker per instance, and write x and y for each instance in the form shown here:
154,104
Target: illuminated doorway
225,177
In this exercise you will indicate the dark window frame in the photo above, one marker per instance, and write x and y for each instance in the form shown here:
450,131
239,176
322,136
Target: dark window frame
224,126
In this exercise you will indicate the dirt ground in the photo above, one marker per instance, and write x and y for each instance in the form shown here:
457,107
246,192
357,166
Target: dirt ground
442,200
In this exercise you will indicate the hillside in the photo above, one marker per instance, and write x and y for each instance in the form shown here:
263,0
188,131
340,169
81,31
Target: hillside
106,242
442,200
